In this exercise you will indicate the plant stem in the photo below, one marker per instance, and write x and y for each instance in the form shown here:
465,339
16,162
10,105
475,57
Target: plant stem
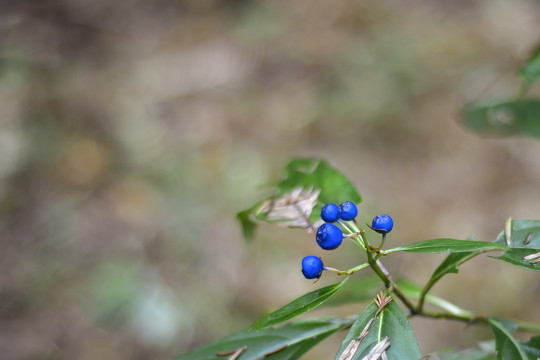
383,274
528,326
354,233
433,280
362,235
382,243
346,227
452,312
390,285
354,269
477,319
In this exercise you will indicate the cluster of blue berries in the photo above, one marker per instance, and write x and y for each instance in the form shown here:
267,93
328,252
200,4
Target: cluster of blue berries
330,236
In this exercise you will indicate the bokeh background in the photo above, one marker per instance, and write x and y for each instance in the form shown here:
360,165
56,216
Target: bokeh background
131,132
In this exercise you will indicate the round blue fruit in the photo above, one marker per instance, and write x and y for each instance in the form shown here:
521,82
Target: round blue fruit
330,212
347,211
312,267
329,236
382,224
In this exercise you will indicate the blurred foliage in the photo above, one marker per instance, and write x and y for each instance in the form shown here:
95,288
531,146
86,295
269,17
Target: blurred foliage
509,118
132,132
530,71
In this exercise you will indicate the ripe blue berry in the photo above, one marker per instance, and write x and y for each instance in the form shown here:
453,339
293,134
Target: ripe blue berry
312,267
330,212
382,224
329,236
347,211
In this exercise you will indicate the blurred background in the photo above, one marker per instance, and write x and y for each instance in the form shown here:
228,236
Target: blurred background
132,132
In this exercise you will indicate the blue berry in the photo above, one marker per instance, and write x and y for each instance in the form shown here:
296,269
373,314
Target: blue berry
329,236
312,267
382,224
330,212
347,211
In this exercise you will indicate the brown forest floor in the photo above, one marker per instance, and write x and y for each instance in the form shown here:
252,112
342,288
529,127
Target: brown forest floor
131,132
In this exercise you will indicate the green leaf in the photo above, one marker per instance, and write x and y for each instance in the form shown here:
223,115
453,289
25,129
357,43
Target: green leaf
334,186
450,264
524,238
530,72
507,347
360,288
509,118
531,347
516,257
288,342
448,245
326,183
519,234
299,306
391,322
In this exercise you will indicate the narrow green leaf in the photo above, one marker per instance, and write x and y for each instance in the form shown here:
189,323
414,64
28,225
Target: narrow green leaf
359,288
509,118
326,183
448,245
507,347
391,322
530,72
450,264
413,291
288,342
299,306
524,238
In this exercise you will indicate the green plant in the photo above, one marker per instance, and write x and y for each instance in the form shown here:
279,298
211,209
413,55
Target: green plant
382,330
